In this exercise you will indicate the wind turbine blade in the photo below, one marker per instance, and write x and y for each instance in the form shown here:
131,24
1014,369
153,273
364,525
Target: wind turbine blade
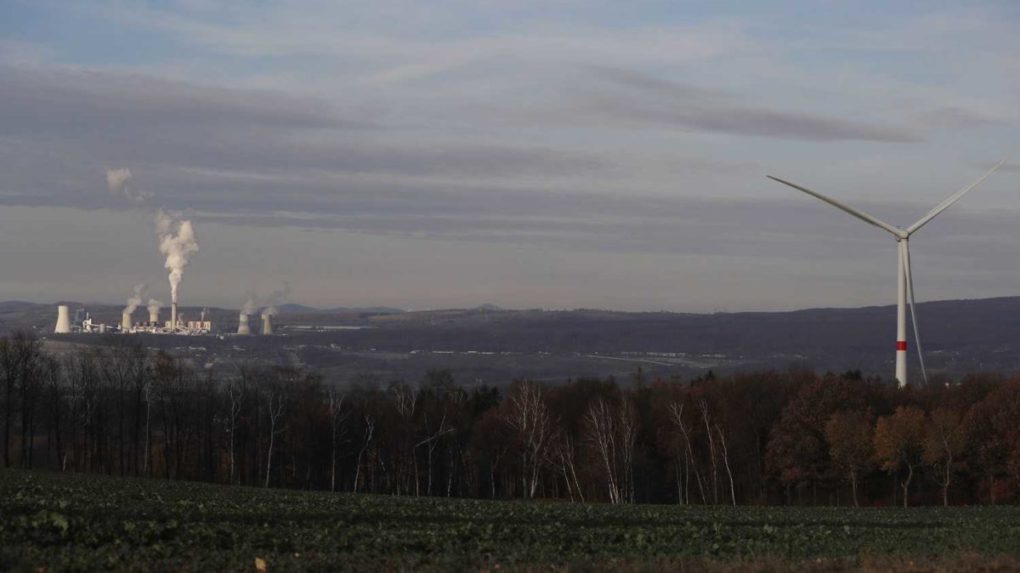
871,220
955,197
913,311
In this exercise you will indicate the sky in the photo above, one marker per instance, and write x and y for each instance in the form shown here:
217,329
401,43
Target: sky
553,154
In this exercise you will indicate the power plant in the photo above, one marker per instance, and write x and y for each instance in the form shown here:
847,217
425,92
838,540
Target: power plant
63,320
242,325
82,322
177,244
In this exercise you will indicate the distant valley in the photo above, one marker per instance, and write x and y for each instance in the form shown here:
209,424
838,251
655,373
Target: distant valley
487,344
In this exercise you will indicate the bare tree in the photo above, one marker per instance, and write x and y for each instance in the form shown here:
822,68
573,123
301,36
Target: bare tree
337,425
600,430
528,415
148,392
431,441
236,389
726,462
677,409
628,439
19,364
369,433
82,377
562,453
712,456
274,401
405,402
122,367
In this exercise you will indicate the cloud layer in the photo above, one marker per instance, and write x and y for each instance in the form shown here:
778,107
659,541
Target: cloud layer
545,126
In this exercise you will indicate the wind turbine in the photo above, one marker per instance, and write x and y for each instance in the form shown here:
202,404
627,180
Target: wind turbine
904,277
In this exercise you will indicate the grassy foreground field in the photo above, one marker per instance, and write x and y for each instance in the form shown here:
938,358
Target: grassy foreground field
79,522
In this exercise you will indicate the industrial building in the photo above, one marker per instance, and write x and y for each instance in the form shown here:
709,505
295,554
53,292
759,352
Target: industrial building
83,323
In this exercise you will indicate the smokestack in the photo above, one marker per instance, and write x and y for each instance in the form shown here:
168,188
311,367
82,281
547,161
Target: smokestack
125,321
63,320
267,324
177,242
242,325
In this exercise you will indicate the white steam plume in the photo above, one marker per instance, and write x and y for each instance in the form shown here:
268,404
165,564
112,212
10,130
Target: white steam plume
117,180
136,298
154,306
177,242
249,303
275,298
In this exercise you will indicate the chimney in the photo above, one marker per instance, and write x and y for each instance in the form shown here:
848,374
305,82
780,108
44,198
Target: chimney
154,315
63,320
125,322
173,315
267,325
242,325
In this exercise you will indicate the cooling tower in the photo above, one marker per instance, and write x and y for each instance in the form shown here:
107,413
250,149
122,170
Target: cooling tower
242,325
267,325
125,321
63,320
154,316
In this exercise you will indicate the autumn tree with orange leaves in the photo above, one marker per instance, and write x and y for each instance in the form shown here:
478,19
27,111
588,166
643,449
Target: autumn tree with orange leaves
849,435
899,444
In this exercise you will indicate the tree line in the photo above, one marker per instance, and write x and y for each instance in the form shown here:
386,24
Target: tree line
755,438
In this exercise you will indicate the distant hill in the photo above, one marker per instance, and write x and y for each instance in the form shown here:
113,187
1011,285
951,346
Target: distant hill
292,308
15,306
959,335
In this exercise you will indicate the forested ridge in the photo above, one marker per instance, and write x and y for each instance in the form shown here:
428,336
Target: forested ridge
756,438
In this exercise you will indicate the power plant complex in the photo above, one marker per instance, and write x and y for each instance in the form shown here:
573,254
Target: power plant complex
83,323
177,243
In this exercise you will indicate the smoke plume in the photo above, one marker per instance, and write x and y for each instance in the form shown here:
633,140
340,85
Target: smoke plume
117,180
136,298
177,242
154,306
249,303
275,298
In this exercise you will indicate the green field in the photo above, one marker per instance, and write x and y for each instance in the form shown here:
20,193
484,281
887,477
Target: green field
79,522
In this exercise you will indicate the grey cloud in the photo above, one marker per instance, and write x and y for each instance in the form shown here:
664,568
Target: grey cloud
785,228
60,130
253,158
64,100
632,97
955,118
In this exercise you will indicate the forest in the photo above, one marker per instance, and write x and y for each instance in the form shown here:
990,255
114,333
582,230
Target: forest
757,438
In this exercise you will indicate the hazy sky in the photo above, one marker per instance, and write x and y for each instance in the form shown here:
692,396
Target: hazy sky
529,154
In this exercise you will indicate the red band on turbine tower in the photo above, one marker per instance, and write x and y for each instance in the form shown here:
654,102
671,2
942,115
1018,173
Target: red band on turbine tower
901,346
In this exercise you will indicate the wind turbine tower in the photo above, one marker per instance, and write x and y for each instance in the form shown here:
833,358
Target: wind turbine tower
904,277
